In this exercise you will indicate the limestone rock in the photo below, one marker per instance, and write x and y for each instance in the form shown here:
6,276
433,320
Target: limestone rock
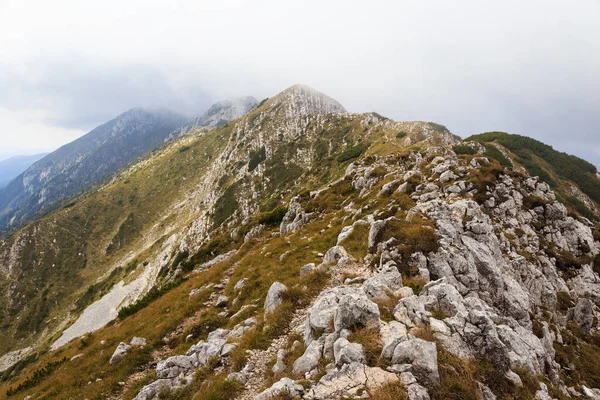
222,301
285,387
346,352
274,297
423,357
138,342
349,381
310,359
342,307
120,353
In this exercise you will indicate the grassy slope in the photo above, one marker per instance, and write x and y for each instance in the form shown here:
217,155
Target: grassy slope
556,168
154,185
68,249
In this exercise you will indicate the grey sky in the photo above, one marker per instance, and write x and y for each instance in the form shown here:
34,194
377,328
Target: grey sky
531,67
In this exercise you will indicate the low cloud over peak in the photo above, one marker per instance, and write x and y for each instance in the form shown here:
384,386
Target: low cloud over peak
528,68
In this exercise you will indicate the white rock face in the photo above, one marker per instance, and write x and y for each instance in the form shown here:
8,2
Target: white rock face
303,100
295,218
310,359
138,342
10,359
177,371
387,281
346,352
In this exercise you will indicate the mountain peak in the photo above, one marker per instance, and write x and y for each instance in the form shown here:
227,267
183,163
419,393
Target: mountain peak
303,100
218,114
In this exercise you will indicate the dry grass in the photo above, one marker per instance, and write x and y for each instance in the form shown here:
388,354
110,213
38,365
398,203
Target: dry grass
391,391
371,343
386,307
415,283
417,235
259,264
357,242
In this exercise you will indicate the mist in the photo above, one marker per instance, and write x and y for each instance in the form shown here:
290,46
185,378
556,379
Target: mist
531,69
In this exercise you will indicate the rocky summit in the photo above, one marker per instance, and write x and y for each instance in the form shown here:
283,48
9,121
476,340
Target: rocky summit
304,252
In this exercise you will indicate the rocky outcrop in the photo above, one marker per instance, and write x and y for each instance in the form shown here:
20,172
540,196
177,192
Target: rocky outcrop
295,217
350,381
340,308
177,371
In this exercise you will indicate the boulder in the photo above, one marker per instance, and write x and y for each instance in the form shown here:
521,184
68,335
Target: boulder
295,217
240,285
138,342
222,301
423,357
310,359
174,366
346,231
151,391
346,352
284,388
307,269
417,392
120,353
374,234
583,314
341,307
274,297
334,255
279,366
387,281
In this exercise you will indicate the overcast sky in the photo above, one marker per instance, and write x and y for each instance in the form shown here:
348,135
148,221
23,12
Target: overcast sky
527,67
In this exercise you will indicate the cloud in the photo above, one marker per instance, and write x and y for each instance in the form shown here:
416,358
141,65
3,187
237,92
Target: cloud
24,132
531,68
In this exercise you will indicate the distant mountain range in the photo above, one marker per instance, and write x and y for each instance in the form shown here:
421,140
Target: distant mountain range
85,161
98,155
12,167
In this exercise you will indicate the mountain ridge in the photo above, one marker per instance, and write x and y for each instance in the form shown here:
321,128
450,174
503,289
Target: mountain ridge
83,162
391,250
11,167
218,114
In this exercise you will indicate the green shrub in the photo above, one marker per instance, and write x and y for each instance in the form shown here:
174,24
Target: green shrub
148,298
274,217
256,157
351,152
563,165
226,205
401,134
493,152
183,149
37,376
464,149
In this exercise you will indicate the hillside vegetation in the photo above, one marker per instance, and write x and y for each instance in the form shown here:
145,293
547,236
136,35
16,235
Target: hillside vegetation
301,251
553,166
